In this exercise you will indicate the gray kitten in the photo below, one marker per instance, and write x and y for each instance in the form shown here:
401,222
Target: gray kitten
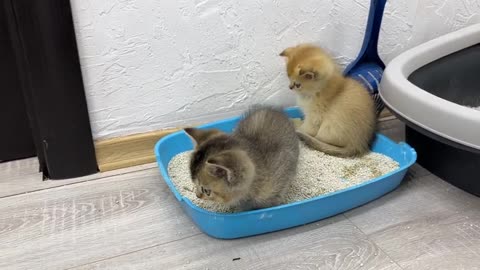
251,168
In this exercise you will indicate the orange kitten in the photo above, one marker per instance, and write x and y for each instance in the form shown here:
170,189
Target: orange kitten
339,112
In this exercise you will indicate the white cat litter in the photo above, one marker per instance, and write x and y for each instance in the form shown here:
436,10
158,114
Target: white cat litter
317,174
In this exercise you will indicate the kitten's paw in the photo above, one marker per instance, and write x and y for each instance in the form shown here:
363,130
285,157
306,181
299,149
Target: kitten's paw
297,122
307,129
302,136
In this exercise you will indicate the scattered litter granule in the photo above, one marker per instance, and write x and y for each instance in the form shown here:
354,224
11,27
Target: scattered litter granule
317,174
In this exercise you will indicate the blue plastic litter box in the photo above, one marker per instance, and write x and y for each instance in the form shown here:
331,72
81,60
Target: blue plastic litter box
230,226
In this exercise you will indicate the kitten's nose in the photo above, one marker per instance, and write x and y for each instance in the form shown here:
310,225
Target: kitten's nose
199,195
291,86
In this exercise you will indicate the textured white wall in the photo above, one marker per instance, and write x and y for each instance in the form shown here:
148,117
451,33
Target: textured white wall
150,64
407,24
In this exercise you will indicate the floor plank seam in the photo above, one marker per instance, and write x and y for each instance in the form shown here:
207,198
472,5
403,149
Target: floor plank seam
73,183
376,244
134,251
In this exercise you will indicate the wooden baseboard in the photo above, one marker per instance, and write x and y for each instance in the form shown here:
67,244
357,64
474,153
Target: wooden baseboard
137,149
128,151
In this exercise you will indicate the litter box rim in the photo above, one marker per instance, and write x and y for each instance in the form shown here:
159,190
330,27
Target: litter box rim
292,112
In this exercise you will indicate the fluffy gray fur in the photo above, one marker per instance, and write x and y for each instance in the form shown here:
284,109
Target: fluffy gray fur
258,179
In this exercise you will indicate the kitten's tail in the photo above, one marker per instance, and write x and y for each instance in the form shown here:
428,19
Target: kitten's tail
327,148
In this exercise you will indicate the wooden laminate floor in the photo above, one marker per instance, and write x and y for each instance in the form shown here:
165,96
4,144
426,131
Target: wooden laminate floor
128,219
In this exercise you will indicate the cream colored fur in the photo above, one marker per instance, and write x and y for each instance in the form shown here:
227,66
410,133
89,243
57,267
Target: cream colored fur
339,112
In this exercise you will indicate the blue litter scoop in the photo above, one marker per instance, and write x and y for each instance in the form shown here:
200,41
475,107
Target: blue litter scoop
368,68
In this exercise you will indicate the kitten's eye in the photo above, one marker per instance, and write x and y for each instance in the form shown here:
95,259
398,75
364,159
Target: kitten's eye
206,191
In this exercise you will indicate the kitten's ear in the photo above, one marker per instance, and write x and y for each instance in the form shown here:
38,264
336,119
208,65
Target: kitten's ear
200,135
308,74
219,171
194,135
287,52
